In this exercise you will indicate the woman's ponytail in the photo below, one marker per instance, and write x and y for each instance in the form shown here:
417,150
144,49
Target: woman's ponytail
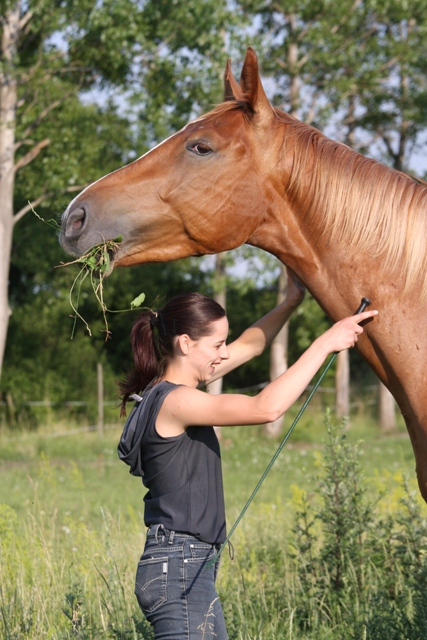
146,360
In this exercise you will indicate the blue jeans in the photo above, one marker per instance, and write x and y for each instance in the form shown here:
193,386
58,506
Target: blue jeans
176,590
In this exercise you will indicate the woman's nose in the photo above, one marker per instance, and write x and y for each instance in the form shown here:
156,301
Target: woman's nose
225,354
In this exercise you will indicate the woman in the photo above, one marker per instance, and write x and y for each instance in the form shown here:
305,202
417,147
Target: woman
169,441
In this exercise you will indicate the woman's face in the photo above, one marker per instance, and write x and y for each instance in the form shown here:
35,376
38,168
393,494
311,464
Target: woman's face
207,353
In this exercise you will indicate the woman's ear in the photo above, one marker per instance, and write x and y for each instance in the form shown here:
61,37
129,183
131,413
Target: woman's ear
184,343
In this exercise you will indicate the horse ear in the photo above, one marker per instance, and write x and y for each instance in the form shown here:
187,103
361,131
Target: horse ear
232,90
252,88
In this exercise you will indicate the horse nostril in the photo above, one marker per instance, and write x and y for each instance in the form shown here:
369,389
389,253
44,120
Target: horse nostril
75,222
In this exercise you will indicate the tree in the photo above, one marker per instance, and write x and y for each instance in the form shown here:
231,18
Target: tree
38,78
54,54
279,351
220,296
395,108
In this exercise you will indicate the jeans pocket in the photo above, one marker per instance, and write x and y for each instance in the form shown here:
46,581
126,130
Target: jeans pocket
151,582
202,552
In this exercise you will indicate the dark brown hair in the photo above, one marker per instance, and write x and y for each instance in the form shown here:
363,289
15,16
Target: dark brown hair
153,333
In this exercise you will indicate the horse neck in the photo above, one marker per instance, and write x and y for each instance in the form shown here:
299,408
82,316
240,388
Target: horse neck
335,213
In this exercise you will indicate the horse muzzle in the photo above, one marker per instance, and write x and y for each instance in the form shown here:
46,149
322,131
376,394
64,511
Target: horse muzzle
80,230
73,225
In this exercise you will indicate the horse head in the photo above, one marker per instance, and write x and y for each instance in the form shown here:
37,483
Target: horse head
201,191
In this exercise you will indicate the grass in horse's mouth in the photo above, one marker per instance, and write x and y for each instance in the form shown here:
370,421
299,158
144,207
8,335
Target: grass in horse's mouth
97,264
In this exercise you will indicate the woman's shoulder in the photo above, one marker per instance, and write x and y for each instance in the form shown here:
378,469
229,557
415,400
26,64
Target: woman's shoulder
182,391
178,407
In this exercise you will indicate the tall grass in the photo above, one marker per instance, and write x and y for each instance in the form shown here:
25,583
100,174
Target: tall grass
348,568
67,581
336,554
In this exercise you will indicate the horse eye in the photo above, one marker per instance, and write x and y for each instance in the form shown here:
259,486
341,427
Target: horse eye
200,149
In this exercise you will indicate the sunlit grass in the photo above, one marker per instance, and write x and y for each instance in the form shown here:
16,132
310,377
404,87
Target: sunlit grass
71,528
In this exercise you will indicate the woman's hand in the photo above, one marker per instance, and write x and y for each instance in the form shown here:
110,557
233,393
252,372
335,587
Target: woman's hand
344,334
295,290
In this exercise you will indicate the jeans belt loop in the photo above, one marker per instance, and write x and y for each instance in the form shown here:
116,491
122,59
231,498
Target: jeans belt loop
171,536
154,530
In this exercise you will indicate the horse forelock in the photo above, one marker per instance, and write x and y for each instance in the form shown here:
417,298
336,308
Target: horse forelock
224,108
366,207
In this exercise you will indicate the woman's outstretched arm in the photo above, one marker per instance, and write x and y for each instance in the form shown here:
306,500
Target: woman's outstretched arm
257,337
187,406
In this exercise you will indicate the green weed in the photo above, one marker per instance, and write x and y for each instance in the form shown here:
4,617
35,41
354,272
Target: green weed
346,568
95,264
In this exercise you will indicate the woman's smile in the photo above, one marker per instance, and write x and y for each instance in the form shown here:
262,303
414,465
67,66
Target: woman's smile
211,346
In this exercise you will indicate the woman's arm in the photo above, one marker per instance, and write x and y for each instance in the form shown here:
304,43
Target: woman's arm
186,406
257,337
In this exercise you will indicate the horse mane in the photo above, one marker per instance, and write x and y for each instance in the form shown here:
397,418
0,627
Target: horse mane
367,207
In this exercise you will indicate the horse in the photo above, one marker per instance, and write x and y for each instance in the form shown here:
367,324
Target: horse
247,172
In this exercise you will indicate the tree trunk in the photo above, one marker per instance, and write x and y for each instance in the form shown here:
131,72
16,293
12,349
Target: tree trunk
386,409
220,296
279,353
8,104
342,385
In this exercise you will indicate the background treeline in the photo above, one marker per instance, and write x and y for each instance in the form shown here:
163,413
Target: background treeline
87,86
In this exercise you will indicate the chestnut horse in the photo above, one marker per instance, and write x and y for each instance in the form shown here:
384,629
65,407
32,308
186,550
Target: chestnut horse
249,173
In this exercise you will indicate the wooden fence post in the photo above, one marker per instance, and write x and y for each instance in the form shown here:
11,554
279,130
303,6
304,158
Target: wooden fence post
342,385
100,399
386,409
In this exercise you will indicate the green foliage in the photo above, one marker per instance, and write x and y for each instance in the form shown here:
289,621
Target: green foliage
136,60
357,67
338,574
48,358
183,77
71,532
349,568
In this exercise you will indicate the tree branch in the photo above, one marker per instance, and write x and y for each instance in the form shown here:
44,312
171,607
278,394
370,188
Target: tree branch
25,19
29,157
28,142
51,70
385,138
45,196
33,126
56,103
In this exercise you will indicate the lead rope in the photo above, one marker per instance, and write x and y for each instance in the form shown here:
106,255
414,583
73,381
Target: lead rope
364,303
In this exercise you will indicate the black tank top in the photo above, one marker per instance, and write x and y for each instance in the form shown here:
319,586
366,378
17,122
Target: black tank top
182,473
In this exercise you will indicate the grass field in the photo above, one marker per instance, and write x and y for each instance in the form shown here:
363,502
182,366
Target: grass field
71,532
